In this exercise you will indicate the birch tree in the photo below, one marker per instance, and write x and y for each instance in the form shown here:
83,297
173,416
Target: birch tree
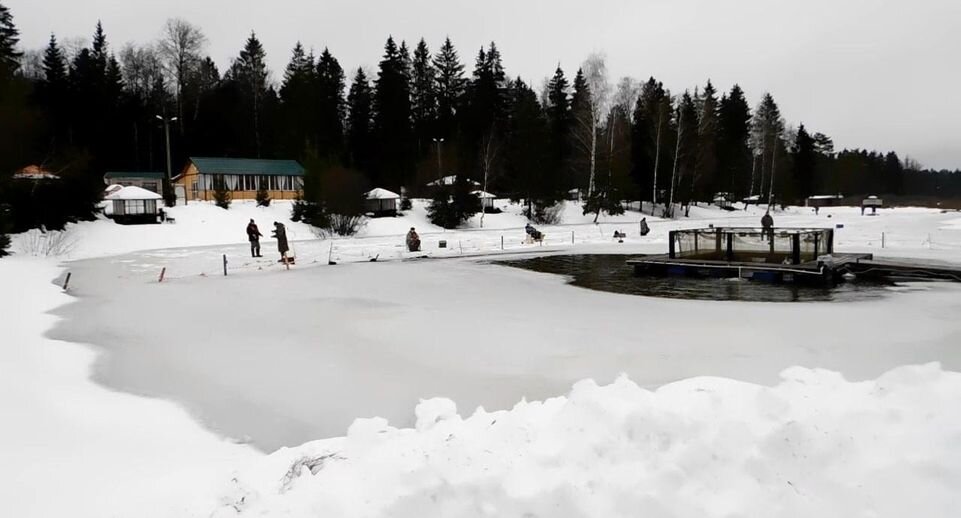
181,44
599,91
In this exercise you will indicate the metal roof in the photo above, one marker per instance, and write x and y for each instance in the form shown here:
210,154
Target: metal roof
147,175
248,166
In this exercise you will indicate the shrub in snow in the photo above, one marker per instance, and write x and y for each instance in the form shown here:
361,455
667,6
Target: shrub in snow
263,197
814,445
221,193
545,214
451,206
603,201
52,243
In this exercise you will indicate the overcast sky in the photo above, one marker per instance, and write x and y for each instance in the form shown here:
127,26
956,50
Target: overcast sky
878,74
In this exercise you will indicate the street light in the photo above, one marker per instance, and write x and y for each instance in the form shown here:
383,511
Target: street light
440,167
167,122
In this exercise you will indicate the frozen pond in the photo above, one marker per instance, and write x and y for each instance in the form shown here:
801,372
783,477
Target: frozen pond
609,272
278,358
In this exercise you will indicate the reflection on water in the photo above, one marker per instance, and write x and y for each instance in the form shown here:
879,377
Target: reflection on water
611,273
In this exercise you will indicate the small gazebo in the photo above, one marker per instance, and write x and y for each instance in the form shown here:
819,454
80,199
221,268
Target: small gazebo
381,202
486,199
132,204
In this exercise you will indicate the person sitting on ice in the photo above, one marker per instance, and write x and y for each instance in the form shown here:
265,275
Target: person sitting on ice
413,240
644,228
533,233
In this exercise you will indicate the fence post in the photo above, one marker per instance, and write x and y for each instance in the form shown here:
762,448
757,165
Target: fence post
502,242
882,239
572,237
66,282
162,272
225,265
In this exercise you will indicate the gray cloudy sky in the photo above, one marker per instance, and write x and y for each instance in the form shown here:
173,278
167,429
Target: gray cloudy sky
880,74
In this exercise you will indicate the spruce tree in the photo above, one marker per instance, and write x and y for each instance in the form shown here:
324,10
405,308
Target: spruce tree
54,65
704,186
332,108
249,70
767,128
359,121
733,154
423,92
392,120
526,152
559,124
805,162
450,87
297,97
580,132
9,38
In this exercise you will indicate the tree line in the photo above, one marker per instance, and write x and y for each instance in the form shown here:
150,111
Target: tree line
82,109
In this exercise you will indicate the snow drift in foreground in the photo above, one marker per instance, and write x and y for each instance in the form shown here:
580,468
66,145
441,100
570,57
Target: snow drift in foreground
814,445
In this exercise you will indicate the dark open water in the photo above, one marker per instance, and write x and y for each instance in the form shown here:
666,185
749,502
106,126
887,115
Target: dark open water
611,273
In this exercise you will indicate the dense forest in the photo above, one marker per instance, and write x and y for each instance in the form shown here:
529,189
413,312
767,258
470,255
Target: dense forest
79,110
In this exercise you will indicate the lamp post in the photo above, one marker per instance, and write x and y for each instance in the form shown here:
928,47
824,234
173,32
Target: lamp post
167,121
440,166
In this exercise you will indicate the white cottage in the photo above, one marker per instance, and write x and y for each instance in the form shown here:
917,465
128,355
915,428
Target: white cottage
132,204
381,202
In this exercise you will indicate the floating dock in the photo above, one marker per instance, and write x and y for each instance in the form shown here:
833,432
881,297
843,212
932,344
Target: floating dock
790,255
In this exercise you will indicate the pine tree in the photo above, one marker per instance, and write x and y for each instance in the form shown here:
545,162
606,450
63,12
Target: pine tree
767,127
450,88
54,65
359,121
581,132
733,153
452,205
392,120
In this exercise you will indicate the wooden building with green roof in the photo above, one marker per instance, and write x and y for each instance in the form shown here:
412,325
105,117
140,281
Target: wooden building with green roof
242,177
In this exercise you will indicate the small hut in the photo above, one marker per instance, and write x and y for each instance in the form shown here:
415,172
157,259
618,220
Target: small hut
133,205
486,199
450,180
872,202
823,200
381,202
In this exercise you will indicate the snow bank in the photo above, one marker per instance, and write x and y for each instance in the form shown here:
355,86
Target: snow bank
814,445
70,447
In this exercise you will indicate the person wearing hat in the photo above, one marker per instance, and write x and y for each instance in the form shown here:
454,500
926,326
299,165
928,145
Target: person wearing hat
413,240
254,235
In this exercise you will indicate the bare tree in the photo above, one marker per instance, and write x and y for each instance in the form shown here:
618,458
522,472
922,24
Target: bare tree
595,73
141,67
181,44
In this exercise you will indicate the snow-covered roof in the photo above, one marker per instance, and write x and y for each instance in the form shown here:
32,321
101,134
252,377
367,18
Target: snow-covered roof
483,194
756,197
112,188
381,194
450,180
825,197
132,192
35,172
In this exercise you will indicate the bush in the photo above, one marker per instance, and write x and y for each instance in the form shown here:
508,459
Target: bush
545,214
405,203
344,224
263,197
221,193
4,228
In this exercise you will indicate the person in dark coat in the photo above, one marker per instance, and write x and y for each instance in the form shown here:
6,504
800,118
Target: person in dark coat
767,225
413,241
644,228
254,235
280,233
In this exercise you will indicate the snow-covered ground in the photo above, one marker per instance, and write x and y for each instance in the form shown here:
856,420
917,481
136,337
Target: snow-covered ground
279,357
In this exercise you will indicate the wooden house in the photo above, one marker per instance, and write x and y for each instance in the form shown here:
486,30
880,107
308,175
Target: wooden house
242,177
133,204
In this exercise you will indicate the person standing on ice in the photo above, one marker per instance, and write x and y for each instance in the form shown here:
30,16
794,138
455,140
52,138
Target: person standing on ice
767,225
644,228
280,233
254,235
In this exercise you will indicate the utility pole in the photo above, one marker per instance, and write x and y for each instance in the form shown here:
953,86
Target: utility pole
440,163
167,121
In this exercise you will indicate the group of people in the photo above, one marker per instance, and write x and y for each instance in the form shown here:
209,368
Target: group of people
279,233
